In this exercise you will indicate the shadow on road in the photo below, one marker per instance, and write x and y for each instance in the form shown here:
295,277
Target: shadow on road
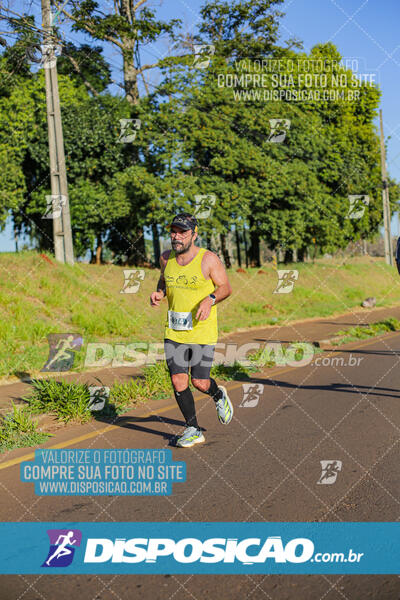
332,387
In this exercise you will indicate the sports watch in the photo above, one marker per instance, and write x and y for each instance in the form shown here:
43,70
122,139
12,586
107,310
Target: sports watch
213,298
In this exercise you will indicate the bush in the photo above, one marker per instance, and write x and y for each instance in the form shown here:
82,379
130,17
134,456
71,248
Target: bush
18,430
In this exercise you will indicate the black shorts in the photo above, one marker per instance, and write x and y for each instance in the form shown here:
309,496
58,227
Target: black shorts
181,357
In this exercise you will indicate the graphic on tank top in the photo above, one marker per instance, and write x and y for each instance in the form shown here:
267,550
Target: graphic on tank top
186,287
181,281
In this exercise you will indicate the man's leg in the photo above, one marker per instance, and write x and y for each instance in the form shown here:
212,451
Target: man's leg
200,366
208,386
200,371
184,398
177,358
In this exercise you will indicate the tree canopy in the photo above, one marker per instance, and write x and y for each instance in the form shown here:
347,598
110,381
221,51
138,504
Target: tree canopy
192,133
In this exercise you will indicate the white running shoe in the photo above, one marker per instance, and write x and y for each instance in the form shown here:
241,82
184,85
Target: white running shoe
190,437
224,407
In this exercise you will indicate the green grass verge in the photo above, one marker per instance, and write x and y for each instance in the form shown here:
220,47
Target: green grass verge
361,333
19,430
71,401
33,307
234,372
66,401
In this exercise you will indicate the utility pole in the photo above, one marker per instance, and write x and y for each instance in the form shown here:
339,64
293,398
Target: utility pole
385,200
62,234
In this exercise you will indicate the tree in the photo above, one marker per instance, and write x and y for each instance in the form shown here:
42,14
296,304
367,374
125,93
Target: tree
200,137
211,132
128,26
94,158
93,154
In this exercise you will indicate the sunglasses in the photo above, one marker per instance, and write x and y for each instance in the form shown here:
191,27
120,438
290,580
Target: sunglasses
180,233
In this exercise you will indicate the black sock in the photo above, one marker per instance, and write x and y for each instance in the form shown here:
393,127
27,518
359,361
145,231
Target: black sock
214,391
185,402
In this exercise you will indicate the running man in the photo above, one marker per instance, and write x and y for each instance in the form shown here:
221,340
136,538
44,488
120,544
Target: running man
194,281
62,549
62,347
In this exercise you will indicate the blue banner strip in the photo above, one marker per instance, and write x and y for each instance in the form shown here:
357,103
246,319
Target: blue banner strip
213,548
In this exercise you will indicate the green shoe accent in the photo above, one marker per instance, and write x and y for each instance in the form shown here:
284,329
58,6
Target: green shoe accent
224,407
190,437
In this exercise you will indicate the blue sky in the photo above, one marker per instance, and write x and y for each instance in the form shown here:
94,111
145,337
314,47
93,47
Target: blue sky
366,30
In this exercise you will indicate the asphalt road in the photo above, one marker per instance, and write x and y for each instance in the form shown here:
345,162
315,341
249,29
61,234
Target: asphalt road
264,466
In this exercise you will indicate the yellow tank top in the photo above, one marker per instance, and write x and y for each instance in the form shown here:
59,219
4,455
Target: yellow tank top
186,287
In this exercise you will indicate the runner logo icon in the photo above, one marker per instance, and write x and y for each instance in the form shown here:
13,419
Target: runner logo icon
62,547
330,470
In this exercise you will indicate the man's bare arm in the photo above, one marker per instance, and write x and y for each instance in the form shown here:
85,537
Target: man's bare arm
219,277
163,263
161,282
161,292
214,270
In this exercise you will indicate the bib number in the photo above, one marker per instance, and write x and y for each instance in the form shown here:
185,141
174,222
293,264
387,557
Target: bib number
180,321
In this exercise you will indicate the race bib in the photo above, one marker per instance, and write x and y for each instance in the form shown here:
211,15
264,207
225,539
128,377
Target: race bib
180,321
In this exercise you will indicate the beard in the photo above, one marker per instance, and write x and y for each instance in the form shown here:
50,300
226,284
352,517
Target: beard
179,247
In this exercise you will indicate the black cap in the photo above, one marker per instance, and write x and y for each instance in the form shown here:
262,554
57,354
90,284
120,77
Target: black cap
185,221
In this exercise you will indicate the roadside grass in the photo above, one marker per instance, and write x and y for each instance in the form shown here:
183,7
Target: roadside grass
19,430
361,333
71,401
234,372
66,401
157,381
38,298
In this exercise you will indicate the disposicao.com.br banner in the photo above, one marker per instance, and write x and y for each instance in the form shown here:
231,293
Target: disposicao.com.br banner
204,548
